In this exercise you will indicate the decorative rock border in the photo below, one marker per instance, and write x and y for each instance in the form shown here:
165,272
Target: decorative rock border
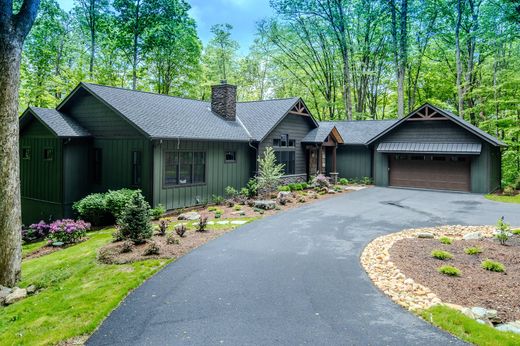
386,276
375,259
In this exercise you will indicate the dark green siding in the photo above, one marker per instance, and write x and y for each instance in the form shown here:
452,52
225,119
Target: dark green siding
380,168
117,164
41,180
218,173
75,172
297,127
485,170
99,119
353,161
439,131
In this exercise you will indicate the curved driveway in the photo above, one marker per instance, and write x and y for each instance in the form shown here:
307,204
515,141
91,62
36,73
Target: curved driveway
294,278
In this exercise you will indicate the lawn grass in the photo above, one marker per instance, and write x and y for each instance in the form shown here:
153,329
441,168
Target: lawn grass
78,293
27,249
504,199
468,329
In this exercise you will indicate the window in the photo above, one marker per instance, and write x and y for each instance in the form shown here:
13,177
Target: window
184,168
287,158
136,168
96,165
401,157
292,142
418,158
276,142
283,140
26,153
230,157
439,158
48,154
458,159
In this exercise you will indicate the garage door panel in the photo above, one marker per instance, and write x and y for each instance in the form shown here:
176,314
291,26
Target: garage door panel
430,174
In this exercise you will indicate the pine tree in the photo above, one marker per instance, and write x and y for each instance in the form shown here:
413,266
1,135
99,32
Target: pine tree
135,221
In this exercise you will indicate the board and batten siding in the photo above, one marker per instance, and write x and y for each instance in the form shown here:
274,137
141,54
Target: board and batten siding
297,127
219,174
40,180
430,131
116,168
99,119
353,161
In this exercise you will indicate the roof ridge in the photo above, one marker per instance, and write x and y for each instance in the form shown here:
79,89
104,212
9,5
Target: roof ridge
145,92
279,99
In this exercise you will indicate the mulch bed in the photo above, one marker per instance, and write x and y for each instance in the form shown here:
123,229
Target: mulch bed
112,254
48,249
475,286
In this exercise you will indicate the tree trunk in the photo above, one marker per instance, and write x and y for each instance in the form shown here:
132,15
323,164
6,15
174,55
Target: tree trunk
92,51
403,57
136,46
460,92
10,208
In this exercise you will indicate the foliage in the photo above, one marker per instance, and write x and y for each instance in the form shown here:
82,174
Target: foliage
117,200
442,255
244,192
473,250
285,188
343,181
218,200
252,188
170,239
93,208
504,231
493,266
180,229
67,231
202,223
163,227
449,270
157,212
231,192
237,208
468,329
446,240
86,290
509,191
270,172
127,246
135,222
152,249
35,232
504,199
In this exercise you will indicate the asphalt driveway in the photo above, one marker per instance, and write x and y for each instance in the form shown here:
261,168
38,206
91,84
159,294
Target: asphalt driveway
294,278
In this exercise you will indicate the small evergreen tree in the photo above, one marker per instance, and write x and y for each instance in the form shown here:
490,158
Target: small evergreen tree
135,220
269,172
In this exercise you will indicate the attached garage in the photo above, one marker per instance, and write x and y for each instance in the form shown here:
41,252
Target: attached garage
434,149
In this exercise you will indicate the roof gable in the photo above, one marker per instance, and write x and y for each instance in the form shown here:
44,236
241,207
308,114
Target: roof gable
427,112
57,123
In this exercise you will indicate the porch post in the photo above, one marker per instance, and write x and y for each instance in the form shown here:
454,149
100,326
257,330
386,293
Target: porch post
334,173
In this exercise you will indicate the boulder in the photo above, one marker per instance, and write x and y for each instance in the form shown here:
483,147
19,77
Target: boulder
331,191
4,292
483,313
16,295
192,215
31,289
509,327
265,204
284,194
473,236
425,235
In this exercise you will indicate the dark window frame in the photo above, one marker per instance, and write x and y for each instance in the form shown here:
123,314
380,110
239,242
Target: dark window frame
233,153
137,167
46,152
26,153
289,161
177,164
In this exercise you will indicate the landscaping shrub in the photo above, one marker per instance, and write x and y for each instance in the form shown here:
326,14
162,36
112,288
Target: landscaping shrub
152,249
285,188
292,186
343,181
218,200
36,231
446,240
252,188
237,208
127,246
269,172
218,215
117,200
493,266
157,212
516,231
304,185
504,231
244,192
509,191
202,224
449,270
231,192
163,227
67,231
472,250
170,239
135,220
180,229
366,180
442,255
93,208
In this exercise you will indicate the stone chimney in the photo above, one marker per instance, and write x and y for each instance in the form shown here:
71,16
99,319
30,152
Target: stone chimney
224,100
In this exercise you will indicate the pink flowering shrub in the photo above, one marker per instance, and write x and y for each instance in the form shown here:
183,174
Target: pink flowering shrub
67,231
35,232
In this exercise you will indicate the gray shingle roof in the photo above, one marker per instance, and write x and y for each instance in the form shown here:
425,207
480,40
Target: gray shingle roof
162,116
59,123
431,148
353,132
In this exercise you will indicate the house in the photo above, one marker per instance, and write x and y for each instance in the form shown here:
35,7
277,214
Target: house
180,152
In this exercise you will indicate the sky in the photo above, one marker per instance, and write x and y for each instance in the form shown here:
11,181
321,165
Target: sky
241,14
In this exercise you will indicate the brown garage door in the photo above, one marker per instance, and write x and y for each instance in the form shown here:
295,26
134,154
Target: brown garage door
430,172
